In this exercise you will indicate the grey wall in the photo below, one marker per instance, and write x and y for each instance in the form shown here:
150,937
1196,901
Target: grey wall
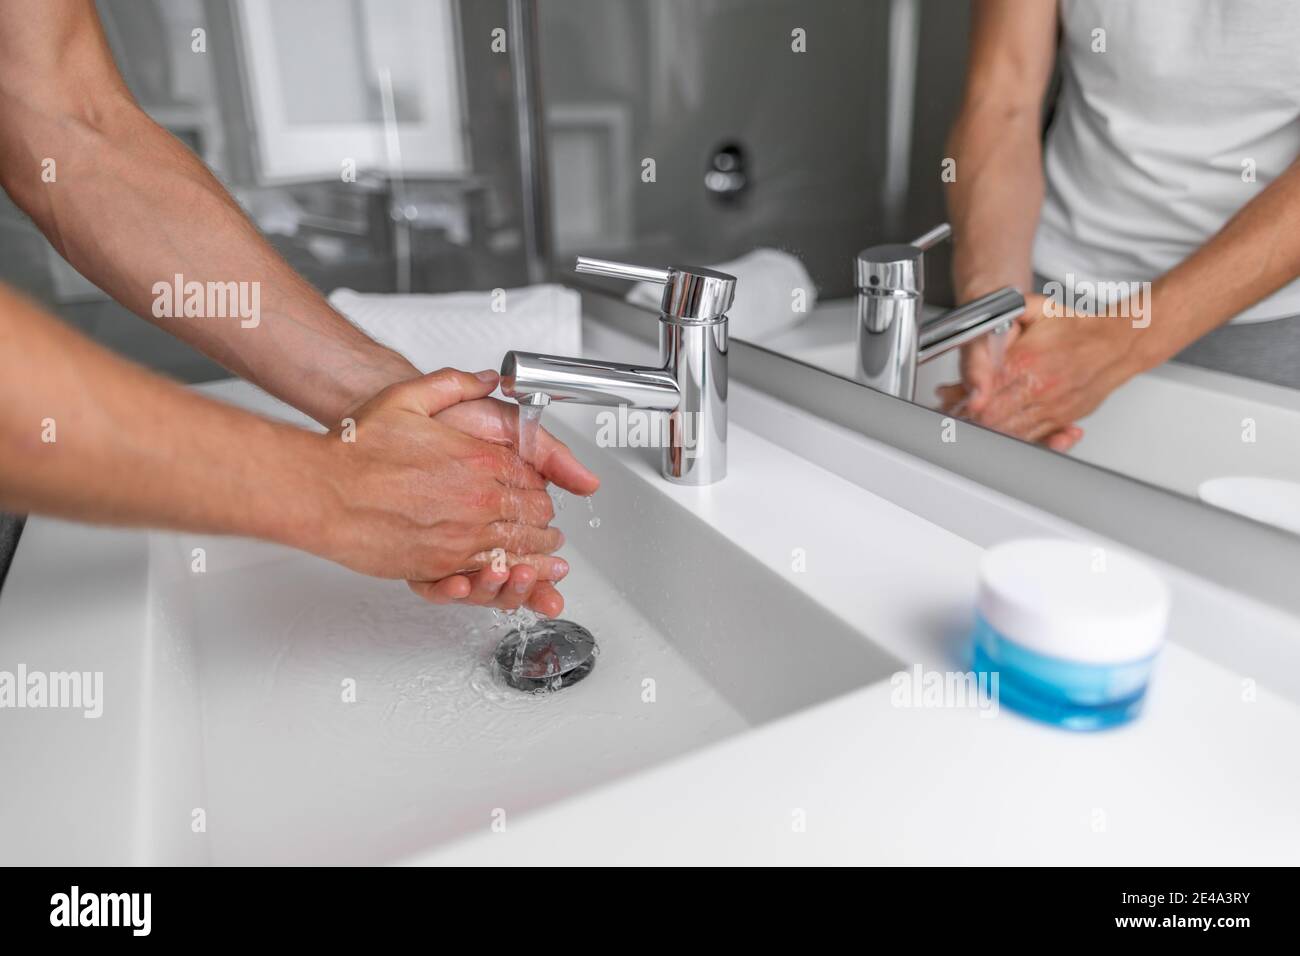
940,76
696,73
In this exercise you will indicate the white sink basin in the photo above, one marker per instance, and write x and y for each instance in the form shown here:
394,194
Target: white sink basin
234,693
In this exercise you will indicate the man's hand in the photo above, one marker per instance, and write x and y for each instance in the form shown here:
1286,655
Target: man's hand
1059,369
417,498
497,422
982,365
981,360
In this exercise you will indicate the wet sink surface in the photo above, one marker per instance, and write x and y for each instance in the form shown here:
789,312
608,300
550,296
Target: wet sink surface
434,745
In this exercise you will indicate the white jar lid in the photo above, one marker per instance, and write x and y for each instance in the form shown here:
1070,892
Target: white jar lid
1073,600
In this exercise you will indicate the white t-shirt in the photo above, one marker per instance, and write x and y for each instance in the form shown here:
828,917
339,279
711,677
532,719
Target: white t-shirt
1161,122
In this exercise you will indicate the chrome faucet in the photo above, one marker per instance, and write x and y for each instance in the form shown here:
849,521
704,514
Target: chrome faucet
690,385
893,337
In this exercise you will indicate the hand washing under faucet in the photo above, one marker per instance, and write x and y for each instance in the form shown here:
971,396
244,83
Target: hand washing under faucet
690,384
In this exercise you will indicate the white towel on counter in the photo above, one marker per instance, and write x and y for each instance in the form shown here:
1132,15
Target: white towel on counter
767,281
468,330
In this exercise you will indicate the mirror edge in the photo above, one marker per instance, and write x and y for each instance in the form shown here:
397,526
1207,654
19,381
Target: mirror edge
1183,532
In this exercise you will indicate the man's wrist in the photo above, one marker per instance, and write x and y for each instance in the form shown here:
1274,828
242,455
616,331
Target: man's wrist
296,498
374,369
969,287
1155,334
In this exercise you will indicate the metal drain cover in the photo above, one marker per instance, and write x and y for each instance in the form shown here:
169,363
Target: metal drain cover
555,655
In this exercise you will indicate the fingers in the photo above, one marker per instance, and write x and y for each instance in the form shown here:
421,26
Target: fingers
1031,422
547,567
545,599
507,582
507,589
527,507
1012,412
1014,395
430,394
497,423
518,539
511,470
1065,439
485,585
557,464
980,363
516,591
1061,440
977,372
447,591
552,458
952,398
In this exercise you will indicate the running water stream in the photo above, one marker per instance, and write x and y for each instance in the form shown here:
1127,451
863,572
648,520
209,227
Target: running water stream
523,619
536,654
530,418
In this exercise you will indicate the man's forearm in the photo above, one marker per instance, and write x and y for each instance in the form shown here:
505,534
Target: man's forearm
131,207
88,436
1256,253
997,194
995,199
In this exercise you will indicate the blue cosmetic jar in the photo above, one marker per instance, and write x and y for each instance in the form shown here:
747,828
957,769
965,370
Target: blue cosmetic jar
1071,630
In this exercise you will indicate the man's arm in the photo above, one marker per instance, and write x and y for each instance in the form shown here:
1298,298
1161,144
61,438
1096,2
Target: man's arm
997,195
130,206
89,436
997,142
1255,254
1061,370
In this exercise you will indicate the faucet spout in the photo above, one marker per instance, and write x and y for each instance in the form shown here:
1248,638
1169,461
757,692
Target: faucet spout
992,313
689,384
534,379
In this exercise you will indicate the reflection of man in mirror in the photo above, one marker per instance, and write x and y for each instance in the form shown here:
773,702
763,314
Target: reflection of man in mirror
1156,219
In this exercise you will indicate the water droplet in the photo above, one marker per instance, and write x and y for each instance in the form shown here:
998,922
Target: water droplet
594,522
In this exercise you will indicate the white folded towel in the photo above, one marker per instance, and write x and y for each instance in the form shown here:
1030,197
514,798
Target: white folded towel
468,330
767,281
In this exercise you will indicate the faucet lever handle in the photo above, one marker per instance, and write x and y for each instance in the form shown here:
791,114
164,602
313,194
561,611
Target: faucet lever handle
692,293
621,270
928,240
897,268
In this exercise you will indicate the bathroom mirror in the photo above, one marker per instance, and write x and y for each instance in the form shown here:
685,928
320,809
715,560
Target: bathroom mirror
777,140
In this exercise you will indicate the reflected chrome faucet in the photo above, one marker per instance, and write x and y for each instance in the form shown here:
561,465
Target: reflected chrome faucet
690,385
893,338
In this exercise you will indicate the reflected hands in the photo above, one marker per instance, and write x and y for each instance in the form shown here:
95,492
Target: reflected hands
1057,369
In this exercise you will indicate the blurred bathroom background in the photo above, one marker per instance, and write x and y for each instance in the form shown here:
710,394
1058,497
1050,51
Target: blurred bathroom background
491,138
286,102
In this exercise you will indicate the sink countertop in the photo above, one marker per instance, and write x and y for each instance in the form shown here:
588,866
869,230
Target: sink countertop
1206,775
